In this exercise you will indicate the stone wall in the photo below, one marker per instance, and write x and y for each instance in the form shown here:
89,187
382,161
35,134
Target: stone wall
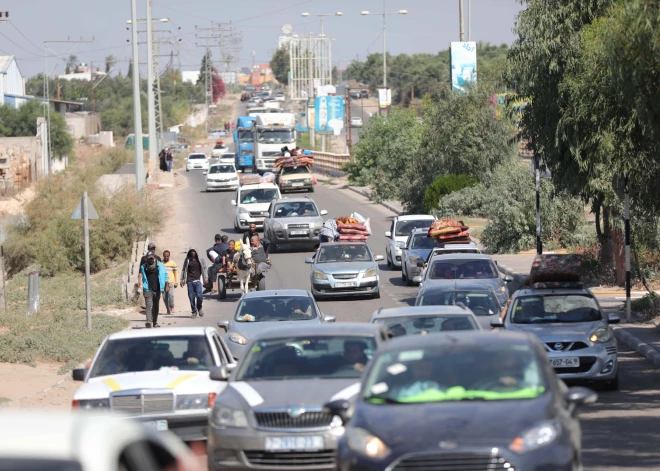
20,161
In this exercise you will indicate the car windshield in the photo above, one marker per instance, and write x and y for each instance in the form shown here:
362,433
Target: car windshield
421,241
276,136
404,228
414,325
222,169
498,371
289,210
196,156
324,356
228,156
244,136
258,195
343,253
555,309
280,308
135,355
480,302
457,269
294,170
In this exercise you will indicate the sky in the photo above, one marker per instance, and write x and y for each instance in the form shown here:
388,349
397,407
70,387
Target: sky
428,27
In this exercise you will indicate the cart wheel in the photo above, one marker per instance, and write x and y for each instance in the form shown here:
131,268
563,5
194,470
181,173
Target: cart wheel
262,284
222,287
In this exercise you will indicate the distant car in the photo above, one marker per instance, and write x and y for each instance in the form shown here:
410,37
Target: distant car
461,401
196,161
398,234
481,300
279,96
293,221
221,177
227,158
257,310
355,95
344,269
364,94
417,248
271,416
58,441
295,178
252,203
218,150
356,121
411,320
159,377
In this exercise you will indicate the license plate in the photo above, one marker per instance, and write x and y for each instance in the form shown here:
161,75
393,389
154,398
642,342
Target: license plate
570,362
298,184
158,425
294,443
346,284
299,232
259,219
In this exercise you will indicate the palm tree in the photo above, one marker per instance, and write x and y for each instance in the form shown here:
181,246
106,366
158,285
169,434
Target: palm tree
71,64
110,62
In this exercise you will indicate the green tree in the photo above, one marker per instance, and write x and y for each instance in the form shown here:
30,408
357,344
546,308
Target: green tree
280,65
71,64
444,185
110,62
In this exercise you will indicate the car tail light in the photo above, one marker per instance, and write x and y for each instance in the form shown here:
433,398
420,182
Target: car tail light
74,404
212,399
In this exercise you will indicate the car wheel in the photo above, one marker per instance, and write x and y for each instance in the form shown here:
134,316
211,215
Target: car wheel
187,170
612,385
377,294
262,284
403,273
389,262
311,190
222,288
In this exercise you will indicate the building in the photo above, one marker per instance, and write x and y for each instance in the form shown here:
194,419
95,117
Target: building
283,41
12,83
191,76
261,73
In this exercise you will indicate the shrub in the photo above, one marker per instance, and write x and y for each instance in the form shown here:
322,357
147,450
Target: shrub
443,186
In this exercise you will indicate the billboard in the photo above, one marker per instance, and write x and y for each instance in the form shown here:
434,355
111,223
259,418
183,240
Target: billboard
311,113
463,60
329,114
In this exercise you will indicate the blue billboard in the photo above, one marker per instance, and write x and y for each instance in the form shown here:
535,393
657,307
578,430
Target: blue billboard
463,59
329,114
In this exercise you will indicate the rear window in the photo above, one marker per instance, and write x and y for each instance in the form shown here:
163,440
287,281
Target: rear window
463,270
294,170
196,156
404,228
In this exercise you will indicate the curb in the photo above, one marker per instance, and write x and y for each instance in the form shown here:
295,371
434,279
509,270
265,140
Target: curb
641,347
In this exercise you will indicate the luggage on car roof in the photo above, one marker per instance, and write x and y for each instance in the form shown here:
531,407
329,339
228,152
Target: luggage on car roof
556,268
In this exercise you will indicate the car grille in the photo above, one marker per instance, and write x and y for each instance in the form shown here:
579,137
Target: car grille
270,154
453,462
344,276
256,214
611,350
291,459
315,419
565,346
298,226
143,403
586,363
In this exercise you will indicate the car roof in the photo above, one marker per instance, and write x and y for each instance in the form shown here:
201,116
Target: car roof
327,244
164,332
454,287
221,164
273,293
472,338
258,186
414,217
357,329
421,311
419,230
462,256
296,199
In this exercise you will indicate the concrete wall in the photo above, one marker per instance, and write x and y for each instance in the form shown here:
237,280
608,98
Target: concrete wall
20,160
82,123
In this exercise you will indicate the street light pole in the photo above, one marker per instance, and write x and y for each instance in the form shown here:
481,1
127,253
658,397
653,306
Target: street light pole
137,112
151,97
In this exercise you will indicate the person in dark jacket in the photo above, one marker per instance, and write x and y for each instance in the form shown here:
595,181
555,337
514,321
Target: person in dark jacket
170,159
247,238
215,255
154,282
151,249
194,275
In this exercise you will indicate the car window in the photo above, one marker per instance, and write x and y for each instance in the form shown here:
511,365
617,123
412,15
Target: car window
281,308
334,356
481,303
196,156
498,371
343,253
421,241
555,309
228,156
404,228
457,269
222,169
137,355
299,209
258,195
421,325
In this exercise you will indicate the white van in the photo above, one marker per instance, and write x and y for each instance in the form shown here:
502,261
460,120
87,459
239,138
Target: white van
252,203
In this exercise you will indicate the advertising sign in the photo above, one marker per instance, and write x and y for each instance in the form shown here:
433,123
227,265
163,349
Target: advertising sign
329,114
463,60
311,115
384,98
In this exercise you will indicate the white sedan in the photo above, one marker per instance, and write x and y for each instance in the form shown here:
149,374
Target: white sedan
197,161
356,122
221,176
158,376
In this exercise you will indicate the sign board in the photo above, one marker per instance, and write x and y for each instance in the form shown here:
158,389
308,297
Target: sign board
463,60
77,214
216,134
329,113
311,114
384,98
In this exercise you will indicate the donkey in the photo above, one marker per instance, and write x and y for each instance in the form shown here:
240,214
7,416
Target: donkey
245,268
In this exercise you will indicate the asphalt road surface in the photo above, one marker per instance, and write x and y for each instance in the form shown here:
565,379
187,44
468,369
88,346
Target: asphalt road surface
620,433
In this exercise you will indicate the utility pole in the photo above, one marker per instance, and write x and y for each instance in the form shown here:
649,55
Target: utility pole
208,78
349,129
469,20
151,98
537,175
461,20
137,112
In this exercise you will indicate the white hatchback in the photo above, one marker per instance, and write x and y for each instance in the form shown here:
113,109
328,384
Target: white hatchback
197,161
356,122
221,176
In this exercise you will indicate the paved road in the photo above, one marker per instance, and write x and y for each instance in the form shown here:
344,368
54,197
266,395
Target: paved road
621,431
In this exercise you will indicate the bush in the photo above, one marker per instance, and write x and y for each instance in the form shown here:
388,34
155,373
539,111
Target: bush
444,185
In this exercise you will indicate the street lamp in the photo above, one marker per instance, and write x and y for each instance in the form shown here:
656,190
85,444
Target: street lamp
162,20
322,15
384,14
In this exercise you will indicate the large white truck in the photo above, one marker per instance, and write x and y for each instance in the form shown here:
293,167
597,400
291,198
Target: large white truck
272,131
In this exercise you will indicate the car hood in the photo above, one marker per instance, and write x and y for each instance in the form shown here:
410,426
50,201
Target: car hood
221,176
299,220
311,392
344,267
182,382
250,329
255,206
560,331
464,423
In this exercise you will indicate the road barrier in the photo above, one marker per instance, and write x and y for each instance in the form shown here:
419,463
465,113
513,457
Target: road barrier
330,164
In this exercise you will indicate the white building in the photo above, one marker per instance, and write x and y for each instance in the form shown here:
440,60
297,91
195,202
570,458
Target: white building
191,76
12,83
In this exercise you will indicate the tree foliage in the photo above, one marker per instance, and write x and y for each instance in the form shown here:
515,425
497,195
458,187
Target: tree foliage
281,66
444,185
218,86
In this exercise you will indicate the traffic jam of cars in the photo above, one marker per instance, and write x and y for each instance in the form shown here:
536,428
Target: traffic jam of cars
470,377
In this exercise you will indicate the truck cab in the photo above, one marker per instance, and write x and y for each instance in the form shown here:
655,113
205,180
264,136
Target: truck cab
272,131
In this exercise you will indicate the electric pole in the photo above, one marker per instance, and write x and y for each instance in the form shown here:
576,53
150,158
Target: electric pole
461,20
137,112
208,71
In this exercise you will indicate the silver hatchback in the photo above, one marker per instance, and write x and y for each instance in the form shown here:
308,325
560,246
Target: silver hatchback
573,328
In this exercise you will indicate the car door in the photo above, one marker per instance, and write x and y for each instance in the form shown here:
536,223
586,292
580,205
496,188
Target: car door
226,358
268,222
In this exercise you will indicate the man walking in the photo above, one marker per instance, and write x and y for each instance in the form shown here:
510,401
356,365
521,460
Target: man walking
170,159
151,249
194,273
154,279
170,266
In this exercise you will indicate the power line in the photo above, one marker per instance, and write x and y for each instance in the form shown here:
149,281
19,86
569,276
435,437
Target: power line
24,36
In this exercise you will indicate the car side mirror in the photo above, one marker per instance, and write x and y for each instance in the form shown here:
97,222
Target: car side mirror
388,234
497,323
205,172
323,212
508,278
309,260
219,373
78,374
420,264
330,319
613,318
233,202
339,408
379,258
224,325
578,396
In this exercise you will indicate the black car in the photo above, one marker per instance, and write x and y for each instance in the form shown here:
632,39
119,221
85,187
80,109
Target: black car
364,94
462,401
355,95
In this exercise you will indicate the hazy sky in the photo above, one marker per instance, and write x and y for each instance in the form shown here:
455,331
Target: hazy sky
429,26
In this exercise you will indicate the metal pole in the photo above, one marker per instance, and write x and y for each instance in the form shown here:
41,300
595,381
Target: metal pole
460,18
312,135
349,129
137,112
4,278
537,172
88,291
627,249
384,46
469,20
33,294
151,97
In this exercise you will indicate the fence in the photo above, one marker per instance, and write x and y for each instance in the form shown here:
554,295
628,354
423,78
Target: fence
329,163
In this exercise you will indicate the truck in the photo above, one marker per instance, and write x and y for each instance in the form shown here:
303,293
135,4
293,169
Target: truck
272,132
243,139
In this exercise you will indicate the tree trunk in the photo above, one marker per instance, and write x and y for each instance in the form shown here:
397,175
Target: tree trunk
606,244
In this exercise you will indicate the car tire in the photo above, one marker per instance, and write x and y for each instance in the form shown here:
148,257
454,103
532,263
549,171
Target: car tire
377,294
262,284
311,190
612,385
187,170
222,287
389,262
403,273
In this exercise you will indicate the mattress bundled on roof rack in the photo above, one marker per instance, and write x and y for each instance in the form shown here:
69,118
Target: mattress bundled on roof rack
449,231
556,271
294,161
250,179
353,228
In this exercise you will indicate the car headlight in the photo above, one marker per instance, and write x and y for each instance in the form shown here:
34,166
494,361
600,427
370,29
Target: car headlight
317,224
226,417
242,210
194,401
90,404
238,338
400,245
278,226
361,441
601,335
319,275
413,260
370,273
540,435
308,181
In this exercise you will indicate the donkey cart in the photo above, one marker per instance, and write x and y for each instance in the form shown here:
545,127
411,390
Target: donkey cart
230,281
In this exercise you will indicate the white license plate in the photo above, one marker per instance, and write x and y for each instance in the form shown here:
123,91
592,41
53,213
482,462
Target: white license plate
569,362
345,284
294,443
298,184
299,232
259,219
158,425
